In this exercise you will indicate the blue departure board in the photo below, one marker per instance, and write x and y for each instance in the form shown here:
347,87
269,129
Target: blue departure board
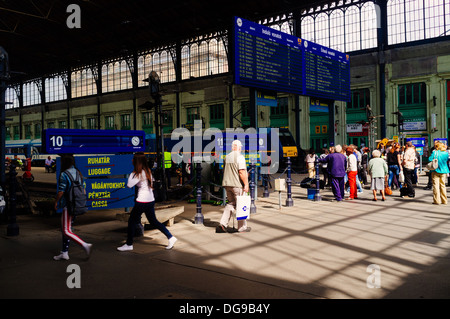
266,58
327,72
79,141
273,60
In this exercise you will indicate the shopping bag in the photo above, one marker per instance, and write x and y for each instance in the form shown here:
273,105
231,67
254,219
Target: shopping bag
401,177
243,207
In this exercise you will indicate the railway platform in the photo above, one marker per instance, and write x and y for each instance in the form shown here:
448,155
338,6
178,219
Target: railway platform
357,249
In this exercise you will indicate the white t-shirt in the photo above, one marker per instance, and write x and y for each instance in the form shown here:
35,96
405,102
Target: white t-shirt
144,193
352,164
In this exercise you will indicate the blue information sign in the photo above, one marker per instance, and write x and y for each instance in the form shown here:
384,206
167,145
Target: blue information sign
442,140
417,141
60,141
269,59
109,193
105,180
106,165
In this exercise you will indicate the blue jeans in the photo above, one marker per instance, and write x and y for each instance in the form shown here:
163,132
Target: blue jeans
135,217
393,169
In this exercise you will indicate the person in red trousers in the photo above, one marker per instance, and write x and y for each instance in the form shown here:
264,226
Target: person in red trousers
352,171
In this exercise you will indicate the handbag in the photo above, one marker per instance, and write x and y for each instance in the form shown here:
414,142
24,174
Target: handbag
243,203
433,165
387,189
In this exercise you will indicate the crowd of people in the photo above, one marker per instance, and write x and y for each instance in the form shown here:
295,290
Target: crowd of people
346,169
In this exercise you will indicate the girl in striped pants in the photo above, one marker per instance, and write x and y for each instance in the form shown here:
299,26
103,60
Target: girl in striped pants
67,167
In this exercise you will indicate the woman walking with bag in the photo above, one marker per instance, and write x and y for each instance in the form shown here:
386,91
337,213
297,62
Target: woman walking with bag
141,177
439,174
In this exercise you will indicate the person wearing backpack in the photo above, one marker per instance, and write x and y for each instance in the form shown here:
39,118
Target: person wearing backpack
141,177
71,204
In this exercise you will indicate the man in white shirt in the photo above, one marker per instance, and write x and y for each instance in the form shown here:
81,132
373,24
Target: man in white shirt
235,181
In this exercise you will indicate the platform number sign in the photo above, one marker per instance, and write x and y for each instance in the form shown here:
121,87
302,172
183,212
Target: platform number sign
74,141
56,141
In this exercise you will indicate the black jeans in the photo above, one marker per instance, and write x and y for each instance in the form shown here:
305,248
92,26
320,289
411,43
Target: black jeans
408,180
135,217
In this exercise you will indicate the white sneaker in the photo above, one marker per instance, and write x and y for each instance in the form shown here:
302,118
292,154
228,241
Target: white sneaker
87,249
125,247
172,242
63,256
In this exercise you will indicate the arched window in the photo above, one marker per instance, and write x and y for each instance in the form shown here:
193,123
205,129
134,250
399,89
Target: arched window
110,78
213,54
307,27
352,29
368,26
55,89
322,29
156,63
337,30
11,98
222,58
412,20
435,20
83,83
185,63
203,58
164,75
31,94
286,28
194,61
396,21
126,82
415,21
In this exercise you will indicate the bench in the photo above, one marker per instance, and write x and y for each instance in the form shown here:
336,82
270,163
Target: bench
163,214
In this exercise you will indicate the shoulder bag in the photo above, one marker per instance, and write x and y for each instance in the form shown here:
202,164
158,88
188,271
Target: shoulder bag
434,164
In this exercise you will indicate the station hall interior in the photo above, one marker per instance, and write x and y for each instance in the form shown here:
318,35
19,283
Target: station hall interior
88,65
92,75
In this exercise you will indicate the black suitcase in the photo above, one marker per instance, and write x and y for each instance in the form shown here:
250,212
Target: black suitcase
321,184
311,183
404,191
306,182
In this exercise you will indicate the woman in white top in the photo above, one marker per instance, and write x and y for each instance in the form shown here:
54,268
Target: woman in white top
141,177
352,171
